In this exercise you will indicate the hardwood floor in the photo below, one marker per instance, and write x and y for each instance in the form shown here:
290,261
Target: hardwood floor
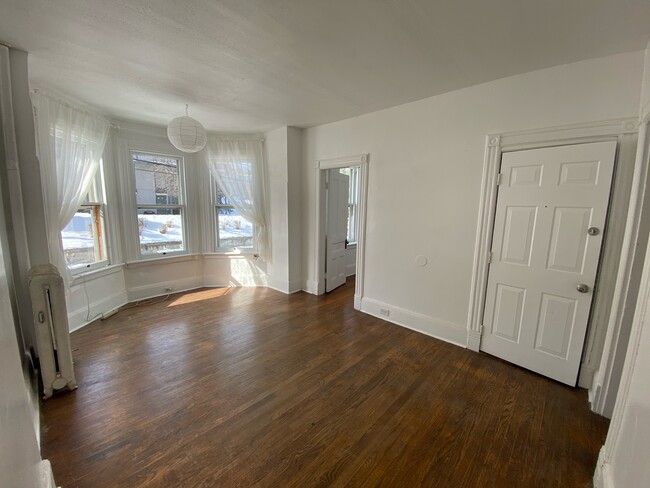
250,387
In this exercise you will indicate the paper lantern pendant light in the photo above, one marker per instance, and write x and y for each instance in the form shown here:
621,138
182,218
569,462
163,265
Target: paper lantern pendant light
186,134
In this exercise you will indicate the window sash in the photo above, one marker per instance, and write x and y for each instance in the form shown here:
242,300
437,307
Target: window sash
99,240
142,254
216,207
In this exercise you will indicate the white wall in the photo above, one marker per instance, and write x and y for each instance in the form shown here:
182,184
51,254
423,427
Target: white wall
275,145
623,461
28,243
425,169
20,459
94,294
283,156
629,466
294,203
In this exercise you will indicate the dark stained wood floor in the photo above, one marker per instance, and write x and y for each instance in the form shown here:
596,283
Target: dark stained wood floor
250,387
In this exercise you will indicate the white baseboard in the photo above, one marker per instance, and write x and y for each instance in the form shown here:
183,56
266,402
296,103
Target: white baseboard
47,476
357,302
78,318
603,474
473,340
295,286
311,287
586,377
594,390
159,289
287,287
440,329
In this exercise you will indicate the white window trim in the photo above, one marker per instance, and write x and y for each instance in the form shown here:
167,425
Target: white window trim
182,205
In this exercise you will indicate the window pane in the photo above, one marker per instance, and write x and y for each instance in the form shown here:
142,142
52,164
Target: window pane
222,199
233,230
160,230
157,180
82,238
352,235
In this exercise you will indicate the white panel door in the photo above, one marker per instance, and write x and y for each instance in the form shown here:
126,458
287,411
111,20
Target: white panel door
545,255
337,228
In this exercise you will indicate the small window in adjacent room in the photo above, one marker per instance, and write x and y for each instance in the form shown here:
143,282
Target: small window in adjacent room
159,197
233,230
353,203
84,242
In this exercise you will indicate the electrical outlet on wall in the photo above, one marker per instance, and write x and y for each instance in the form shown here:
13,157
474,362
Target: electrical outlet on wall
385,312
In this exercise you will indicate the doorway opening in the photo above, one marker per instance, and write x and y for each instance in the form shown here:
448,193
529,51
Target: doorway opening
548,231
341,197
611,296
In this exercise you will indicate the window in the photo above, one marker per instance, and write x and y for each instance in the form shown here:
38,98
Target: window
159,198
353,203
233,230
84,243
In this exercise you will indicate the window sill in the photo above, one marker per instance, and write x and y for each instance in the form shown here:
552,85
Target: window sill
231,255
96,273
352,245
162,260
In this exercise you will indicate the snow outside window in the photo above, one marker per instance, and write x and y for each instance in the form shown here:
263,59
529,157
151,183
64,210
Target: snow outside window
159,197
84,238
233,230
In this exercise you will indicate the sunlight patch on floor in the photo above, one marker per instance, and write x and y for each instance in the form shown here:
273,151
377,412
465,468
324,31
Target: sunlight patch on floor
199,296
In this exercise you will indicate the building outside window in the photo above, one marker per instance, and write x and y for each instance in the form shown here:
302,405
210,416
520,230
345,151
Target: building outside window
160,201
84,238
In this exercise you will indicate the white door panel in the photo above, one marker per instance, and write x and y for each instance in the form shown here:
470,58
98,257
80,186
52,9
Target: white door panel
541,251
337,229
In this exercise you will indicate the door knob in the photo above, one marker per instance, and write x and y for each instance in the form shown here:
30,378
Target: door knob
593,231
582,288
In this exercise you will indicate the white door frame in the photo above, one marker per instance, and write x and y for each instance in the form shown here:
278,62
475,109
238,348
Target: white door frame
621,130
320,166
603,473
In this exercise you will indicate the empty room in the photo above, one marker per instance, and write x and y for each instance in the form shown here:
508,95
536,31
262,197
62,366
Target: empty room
296,243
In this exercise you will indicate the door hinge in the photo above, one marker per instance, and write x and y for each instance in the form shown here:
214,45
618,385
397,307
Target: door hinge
327,185
490,257
499,179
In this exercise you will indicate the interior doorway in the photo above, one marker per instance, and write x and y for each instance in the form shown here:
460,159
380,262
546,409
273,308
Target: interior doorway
550,217
342,184
342,222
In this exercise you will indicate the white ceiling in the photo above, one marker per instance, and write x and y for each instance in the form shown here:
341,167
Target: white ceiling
254,65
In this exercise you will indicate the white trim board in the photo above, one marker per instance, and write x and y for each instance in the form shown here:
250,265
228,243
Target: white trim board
317,287
433,327
621,130
78,318
284,286
159,288
603,476
606,383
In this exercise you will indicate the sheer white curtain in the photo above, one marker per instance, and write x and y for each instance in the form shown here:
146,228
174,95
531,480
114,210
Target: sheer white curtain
238,166
69,142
